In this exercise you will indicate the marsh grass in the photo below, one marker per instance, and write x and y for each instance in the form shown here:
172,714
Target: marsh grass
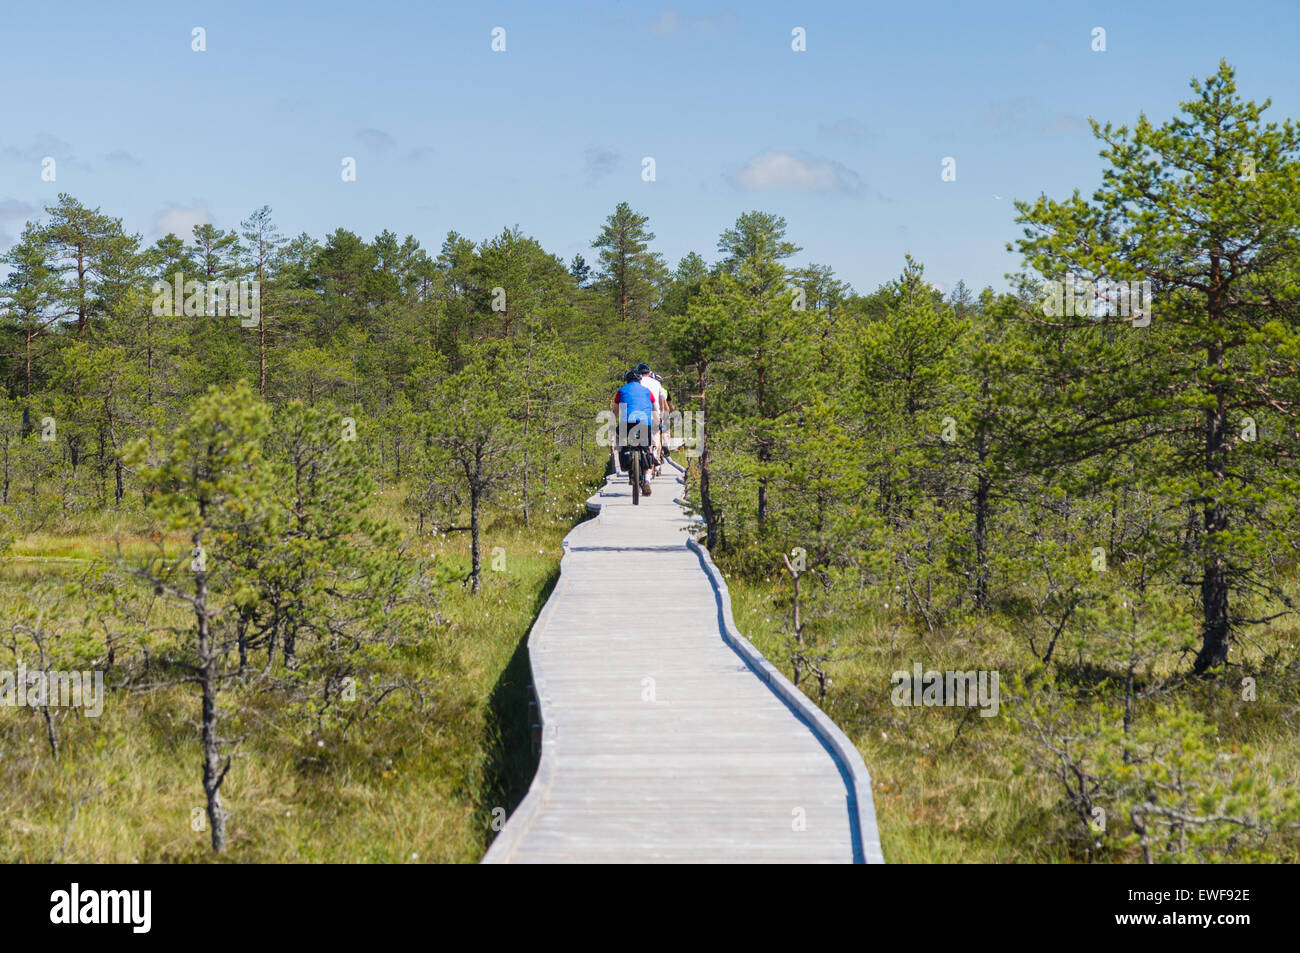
945,779
417,782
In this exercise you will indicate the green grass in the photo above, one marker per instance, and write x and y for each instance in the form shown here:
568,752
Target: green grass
944,779
414,783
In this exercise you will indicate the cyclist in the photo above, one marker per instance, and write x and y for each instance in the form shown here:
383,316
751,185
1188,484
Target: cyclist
663,405
634,407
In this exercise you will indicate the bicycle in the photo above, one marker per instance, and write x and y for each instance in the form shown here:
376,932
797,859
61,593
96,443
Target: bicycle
637,458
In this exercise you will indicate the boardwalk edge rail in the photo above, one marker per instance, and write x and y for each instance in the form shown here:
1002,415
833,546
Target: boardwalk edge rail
852,767
845,753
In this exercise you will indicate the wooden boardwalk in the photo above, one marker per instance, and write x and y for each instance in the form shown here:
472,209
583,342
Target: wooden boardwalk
665,736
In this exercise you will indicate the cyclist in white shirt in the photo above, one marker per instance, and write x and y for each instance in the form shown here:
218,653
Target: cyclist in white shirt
663,405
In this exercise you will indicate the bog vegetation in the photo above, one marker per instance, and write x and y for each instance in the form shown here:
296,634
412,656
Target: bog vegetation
303,541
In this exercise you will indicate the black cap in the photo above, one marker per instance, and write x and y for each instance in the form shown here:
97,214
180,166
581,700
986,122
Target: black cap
631,377
643,368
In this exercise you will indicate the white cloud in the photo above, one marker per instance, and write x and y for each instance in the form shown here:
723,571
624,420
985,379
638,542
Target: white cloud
180,220
781,170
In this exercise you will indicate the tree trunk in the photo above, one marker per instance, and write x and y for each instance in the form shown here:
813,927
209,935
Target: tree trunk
528,419
764,449
1214,600
101,467
148,357
241,634
1214,581
213,773
622,287
982,487
117,464
50,735
261,335
81,292
476,566
706,498
797,622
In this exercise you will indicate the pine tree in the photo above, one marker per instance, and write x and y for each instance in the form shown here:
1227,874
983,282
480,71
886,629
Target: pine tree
30,297
1204,207
686,283
260,249
580,271
475,448
79,239
629,271
768,365
210,480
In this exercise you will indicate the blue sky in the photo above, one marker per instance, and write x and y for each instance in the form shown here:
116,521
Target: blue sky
845,139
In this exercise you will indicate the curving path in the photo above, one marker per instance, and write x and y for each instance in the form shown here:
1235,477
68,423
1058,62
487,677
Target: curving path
665,736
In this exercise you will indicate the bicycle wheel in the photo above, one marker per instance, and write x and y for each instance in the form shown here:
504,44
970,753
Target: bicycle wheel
635,473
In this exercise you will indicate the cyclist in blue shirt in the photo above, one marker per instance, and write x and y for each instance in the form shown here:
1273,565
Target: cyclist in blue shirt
634,405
